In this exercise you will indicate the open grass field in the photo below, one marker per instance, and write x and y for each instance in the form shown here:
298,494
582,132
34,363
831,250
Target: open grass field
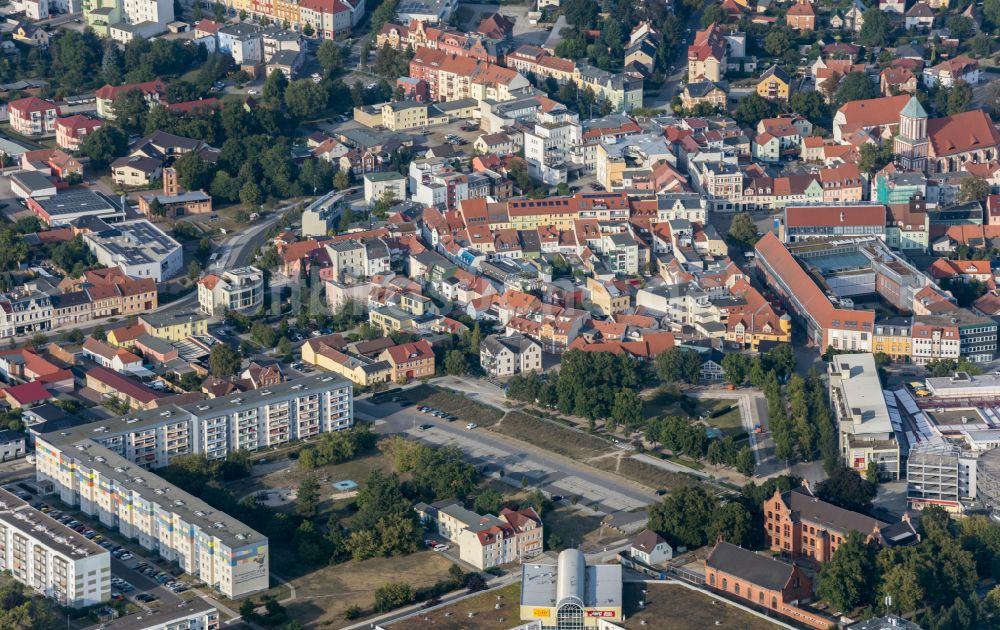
485,614
575,527
672,607
641,472
454,403
323,595
291,475
552,436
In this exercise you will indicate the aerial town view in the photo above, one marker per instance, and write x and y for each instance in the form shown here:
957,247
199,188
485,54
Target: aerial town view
499,314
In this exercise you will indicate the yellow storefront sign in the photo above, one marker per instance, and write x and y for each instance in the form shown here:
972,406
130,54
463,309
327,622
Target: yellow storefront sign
541,612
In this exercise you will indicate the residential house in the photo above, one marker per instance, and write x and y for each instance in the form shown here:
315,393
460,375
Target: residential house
650,548
502,356
33,116
410,361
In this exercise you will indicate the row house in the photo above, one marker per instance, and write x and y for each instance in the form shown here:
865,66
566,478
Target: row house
451,77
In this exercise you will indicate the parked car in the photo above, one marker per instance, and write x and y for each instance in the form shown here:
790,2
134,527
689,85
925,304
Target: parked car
471,425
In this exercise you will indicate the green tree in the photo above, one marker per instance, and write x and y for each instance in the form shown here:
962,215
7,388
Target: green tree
130,111
715,14
264,334
455,363
848,489
743,231
223,361
307,499
677,365
960,27
848,580
489,501
627,409
275,85
751,109
732,523
341,180
778,41
991,14
305,100
330,56
194,271
393,595
901,585
745,463
684,515
250,194
876,28
874,157
194,172
855,86
959,98
104,145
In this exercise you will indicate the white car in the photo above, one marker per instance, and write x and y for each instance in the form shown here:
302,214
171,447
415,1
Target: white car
253,91
471,425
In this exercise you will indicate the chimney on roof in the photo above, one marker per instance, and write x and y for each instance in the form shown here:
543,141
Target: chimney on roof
845,371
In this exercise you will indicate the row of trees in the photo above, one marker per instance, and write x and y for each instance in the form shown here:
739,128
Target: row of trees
692,516
592,385
336,447
936,578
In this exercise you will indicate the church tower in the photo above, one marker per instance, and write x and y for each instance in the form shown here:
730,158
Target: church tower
910,145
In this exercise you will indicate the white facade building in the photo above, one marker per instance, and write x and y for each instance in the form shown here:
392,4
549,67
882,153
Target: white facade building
138,248
51,558
547,147
234,290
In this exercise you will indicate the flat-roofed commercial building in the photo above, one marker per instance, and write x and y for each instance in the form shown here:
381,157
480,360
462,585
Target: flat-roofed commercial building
826,324
64,208
866,428
203,541
570,595
138,248
51,558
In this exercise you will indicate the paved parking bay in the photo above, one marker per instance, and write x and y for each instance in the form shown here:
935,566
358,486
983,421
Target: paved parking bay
492,451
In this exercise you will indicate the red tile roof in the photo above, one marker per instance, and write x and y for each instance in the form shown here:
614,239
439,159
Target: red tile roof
124,385
811,297
32,104
109,92
407,352
968,131
27,393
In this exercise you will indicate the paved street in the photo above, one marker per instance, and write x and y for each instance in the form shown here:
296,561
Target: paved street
554,474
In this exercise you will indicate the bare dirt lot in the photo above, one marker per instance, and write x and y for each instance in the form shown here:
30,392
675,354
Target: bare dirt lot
323,595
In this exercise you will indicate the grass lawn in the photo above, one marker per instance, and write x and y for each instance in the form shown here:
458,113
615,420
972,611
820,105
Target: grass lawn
729,423
552,436
356,470
454,403
666,403
647,474
323,595
485,615
572,525
674,607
